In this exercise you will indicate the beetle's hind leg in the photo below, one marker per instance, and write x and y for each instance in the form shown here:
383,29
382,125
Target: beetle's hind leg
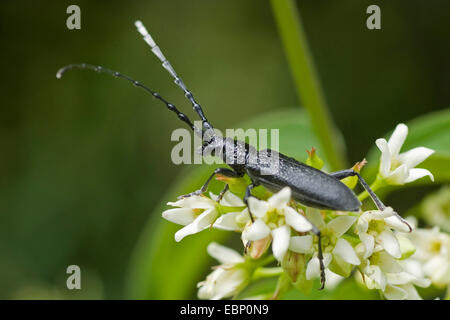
380,205
223,171
350,173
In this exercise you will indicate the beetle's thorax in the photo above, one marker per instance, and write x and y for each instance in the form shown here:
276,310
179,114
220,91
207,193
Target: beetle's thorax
234,153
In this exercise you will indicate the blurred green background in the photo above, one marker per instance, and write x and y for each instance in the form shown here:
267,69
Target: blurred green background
85,160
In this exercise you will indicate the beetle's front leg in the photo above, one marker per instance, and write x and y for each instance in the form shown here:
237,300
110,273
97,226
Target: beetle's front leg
223,171
222,193
248,194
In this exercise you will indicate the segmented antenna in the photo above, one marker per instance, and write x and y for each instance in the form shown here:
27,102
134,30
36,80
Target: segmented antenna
116,74
166,64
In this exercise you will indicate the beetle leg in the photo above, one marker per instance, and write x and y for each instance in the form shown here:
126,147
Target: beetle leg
349,173
248,193
316,231
223,171
222,193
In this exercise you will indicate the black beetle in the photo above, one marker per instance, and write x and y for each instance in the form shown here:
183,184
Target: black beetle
309,186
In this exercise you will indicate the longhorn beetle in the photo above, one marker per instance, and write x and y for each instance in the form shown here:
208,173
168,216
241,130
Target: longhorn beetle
309,186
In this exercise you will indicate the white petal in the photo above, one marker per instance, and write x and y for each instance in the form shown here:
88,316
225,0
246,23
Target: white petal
202,222
327,257
369,244
363,223
413,267
415,156
395,293
412,292
399,278
258,207
341,224
390,243
313,267
417,173
388,264
231,200
296,220
194,202
385,159
229,284
256,231
183,216
332,279
432,266
438,269
207,287
281,198
315,217
223,254
301,244
280,243
378,215
374,273
399,175
346,252
397,139
187,230
244,217
398,223
227,222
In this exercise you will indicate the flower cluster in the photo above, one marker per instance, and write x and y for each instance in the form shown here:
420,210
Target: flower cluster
383,254
432,255
307,243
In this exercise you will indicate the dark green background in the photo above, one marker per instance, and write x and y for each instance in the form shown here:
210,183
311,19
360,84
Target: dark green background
85,160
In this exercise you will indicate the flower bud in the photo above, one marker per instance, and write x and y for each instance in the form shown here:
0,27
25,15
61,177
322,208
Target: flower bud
257,248
293,263
352,181
313,159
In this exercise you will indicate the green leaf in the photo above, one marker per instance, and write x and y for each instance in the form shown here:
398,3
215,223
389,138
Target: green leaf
431,131
163,269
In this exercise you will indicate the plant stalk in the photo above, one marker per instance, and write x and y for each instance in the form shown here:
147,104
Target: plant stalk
306,81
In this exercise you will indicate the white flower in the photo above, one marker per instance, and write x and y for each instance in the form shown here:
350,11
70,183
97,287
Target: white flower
333,246
197,213
380,250
374,230
401,285
377,268
433,252
275,218
399,168
228,278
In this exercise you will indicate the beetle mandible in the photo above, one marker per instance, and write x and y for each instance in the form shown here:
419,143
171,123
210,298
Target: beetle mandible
310,187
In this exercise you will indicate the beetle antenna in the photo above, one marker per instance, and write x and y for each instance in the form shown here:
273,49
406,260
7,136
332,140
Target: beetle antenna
166,65
116,74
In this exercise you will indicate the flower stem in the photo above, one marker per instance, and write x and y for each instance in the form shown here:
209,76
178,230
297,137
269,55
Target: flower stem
306,80
261,273
266,261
